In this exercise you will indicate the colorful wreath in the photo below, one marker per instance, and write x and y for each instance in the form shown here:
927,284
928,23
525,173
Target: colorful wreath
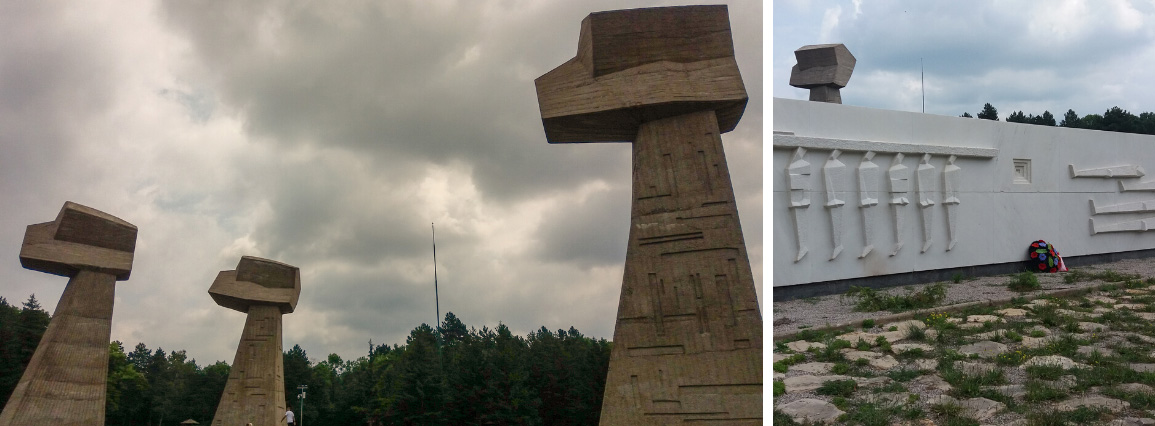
1044,257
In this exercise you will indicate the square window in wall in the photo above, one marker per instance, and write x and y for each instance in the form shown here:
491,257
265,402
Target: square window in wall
1022,171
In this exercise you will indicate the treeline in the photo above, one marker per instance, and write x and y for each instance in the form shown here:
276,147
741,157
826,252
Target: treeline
1113,120
455,376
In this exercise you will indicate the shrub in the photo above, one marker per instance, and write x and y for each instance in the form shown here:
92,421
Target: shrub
867,324
843,388
1025,281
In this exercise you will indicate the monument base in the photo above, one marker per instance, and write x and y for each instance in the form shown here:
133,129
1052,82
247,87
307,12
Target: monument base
64,383
255,391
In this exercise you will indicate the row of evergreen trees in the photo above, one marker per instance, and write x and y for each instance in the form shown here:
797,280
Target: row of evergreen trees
457,375
1113,120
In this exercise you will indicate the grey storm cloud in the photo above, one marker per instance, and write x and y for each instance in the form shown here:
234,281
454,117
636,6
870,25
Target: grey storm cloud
1017,55
330,136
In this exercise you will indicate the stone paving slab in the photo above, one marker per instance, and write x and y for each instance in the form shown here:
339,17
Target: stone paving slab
803,346
1092,401
1052,360
812,410
813,367
985,349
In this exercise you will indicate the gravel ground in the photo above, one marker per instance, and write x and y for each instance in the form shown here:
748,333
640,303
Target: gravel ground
798,314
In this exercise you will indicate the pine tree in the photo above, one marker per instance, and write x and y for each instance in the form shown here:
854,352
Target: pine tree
1070,119
989,113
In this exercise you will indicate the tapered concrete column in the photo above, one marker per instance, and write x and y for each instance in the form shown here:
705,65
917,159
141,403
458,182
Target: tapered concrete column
688,337
65,381
255,390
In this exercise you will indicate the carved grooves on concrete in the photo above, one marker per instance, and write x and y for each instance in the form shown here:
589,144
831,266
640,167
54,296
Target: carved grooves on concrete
65,381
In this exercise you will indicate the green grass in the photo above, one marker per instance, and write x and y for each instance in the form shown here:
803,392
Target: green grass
843,388
867,324
840,368
952,415
911,354
957,277
831,353
870,300
968,386
1076,275
1080,416
1024,281
882,343
781,418
862,345
1138,400
1038,391
916,334
1038,333
779,387
1045,372
903,374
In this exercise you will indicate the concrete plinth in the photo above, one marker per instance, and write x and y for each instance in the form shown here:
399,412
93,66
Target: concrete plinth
64,383
255,391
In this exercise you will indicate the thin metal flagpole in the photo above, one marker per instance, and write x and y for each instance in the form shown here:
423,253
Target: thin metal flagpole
436,297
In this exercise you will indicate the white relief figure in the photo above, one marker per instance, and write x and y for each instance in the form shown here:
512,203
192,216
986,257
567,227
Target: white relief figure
899,176
798,183
867,196
834,175
925,182
950,177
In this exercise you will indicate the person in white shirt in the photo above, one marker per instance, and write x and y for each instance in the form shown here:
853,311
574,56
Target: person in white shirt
289,416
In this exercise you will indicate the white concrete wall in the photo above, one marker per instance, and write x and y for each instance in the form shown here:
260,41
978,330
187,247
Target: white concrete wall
997,218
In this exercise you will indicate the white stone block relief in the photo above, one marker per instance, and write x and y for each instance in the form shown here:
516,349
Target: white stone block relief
798,181
899,176
925,180
834,175
1124,171
950,177
868,197
1132,207
1136,186
1140,225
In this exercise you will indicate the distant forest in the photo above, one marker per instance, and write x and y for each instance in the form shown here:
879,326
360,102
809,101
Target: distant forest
472,377
1113,120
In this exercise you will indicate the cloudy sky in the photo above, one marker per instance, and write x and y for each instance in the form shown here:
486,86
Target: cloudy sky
328,135
1017,55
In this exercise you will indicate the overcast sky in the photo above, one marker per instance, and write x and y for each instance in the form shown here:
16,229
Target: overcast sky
1017,55
328,135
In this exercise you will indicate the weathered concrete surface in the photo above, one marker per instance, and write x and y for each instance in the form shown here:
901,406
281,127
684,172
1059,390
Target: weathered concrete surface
65,381
824,69
265,289
688,339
